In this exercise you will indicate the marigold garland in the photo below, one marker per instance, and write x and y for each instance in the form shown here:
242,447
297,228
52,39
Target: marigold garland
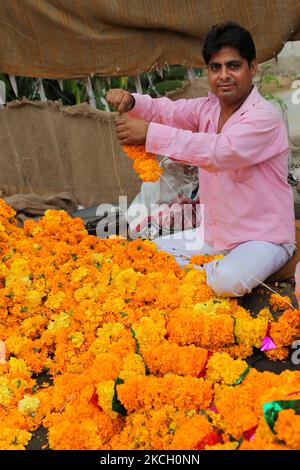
145,163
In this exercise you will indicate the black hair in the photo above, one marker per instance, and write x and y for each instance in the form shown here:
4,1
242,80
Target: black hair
229,34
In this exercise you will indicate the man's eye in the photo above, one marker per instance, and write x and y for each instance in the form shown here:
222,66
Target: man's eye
214,68
234,66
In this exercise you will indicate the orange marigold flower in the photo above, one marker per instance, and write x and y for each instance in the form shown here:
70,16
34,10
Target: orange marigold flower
279,302
145,164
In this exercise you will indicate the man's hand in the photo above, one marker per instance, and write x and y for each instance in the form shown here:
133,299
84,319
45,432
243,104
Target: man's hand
131,131
121,99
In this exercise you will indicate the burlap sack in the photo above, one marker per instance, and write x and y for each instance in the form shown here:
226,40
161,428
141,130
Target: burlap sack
48,148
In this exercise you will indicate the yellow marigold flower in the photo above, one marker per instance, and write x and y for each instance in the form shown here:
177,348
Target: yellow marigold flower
6,394
55,300
15,344
3,270
110,330
35,230
132,366
62,320
113,305
251,331
98,257
12,438
227,446
149,333
222,368
212,306
79,274
113,337
18,367
32,326
33,298
28,405
105,392
126,280
77,338
85,292
53,217
19,267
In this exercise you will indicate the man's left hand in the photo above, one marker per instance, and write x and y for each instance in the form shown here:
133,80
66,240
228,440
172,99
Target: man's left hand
131,131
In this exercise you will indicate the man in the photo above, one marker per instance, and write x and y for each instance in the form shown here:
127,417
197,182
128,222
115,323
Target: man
240,145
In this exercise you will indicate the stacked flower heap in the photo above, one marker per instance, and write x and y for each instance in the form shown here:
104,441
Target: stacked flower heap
140,354
145,164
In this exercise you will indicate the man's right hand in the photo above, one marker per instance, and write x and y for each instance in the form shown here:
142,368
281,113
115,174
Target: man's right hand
121,99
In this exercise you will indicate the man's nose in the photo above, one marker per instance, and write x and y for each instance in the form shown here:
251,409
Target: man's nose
224,72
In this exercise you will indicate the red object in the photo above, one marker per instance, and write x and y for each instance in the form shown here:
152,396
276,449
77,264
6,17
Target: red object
204,370
268,329
248,435
94,400
210,440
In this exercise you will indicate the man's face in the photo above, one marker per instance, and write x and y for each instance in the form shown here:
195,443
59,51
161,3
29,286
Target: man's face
230,76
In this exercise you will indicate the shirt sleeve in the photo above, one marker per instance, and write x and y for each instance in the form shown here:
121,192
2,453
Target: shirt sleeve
181,114
248,142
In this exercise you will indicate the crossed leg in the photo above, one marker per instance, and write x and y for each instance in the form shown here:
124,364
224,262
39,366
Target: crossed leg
243,268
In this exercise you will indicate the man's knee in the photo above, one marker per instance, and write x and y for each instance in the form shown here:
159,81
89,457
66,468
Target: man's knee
226,281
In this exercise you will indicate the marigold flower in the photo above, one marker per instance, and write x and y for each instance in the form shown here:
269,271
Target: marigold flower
93,312
145,164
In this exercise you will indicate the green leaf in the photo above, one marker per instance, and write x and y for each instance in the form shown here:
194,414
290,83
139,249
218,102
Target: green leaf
241,378
272,409
137,346
116,405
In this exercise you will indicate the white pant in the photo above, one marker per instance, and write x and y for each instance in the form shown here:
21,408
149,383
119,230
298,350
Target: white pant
244,267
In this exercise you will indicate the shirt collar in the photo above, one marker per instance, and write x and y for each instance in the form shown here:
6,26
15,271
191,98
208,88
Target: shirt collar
251,99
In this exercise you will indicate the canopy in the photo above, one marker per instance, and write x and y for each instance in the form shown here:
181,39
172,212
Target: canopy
78,38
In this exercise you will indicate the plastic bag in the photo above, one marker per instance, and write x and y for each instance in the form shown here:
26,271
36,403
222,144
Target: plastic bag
166,206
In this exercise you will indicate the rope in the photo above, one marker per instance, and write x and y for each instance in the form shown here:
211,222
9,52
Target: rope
114,156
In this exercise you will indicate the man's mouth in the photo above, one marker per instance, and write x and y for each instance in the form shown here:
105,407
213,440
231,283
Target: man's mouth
226,86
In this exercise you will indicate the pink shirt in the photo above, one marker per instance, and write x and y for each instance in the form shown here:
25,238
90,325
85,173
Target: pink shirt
242,170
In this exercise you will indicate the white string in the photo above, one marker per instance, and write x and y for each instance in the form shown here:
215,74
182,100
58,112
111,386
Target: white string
113,154
260,282
270,289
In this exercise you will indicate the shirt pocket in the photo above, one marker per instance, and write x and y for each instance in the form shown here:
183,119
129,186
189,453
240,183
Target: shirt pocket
240,175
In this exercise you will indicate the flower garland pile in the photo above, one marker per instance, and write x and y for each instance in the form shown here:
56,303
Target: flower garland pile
140,354
145,164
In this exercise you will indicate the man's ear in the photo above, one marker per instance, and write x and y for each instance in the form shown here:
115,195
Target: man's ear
253,67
